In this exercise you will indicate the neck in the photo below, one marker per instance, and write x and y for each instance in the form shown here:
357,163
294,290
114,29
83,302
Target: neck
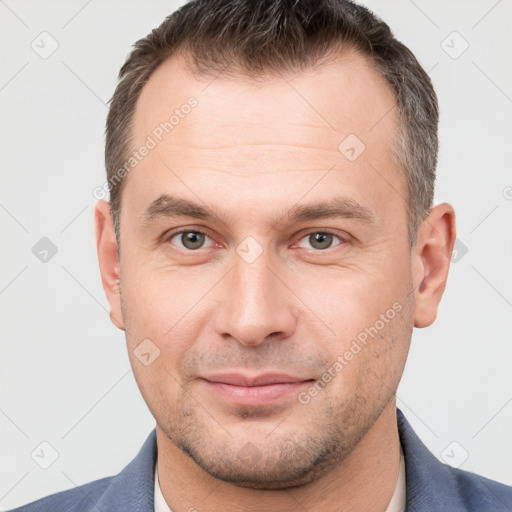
364,480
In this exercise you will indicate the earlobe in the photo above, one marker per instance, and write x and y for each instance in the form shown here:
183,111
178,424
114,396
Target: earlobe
108,260
431,262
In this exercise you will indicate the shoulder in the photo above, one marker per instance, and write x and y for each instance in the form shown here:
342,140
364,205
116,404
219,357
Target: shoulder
79,499
481,493
433,485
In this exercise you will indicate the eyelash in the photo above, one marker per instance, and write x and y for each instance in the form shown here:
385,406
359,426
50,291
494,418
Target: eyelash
325,231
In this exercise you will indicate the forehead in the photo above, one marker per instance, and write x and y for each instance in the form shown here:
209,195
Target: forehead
241,128
344,96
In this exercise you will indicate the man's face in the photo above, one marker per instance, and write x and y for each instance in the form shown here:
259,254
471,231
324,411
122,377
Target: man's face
266,290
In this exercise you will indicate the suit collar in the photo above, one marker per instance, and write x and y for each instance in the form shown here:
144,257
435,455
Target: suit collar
430,485
133,488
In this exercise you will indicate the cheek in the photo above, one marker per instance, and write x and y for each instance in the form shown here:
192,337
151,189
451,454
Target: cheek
156,359
367,320
164,315
159,303
159,387
368,360
349,301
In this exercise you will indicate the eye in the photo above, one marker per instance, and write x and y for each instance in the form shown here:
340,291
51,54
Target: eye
320,240
190,240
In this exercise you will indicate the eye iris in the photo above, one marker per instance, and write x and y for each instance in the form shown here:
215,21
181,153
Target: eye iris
323,240
192,240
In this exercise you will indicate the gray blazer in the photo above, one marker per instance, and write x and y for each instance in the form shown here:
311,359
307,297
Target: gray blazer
431,485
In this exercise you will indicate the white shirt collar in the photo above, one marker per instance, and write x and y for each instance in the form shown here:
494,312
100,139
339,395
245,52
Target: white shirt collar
397,503
160,503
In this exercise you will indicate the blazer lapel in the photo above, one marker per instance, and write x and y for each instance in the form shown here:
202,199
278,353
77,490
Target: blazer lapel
133,489
430,485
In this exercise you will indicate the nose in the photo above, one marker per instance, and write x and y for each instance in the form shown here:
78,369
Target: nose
256,305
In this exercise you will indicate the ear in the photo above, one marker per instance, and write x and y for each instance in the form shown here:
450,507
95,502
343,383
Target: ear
108,259
431,262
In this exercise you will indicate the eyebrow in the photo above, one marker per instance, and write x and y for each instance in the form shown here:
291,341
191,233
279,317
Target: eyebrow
168,206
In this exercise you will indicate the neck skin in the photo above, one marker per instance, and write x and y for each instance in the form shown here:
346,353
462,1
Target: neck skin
364,480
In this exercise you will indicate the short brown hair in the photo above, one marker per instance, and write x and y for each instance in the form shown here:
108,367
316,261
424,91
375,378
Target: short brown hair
274,36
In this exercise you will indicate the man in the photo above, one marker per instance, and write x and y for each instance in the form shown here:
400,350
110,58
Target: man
269,244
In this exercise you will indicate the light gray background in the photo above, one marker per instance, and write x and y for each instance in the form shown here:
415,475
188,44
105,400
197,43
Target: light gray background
65,373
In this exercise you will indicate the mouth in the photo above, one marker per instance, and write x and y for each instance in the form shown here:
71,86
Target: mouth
243,390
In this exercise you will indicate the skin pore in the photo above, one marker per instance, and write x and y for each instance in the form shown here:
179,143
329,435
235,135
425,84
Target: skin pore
251,154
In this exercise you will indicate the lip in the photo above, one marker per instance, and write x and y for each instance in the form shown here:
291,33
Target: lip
254,390
238,379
